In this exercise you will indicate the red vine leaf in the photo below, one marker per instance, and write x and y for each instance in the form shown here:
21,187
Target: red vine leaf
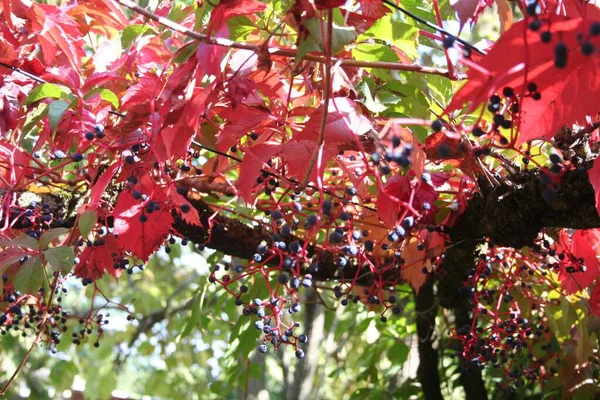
567,94
97,259
101,184
345,123
142,238
59,36
7,53
14,166
232,8
252,163
184,208
388,202
580,245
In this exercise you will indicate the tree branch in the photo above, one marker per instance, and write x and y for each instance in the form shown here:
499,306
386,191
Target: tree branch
427,372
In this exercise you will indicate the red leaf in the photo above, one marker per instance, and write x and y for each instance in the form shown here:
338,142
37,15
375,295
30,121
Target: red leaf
9,106
142,239
232,8
567,94
594,177
7,53
95,260
14,166
388,207
60,37
469,10
327,4
297,155
580,246
252,163
240,122
373,8
142,91
191,217
100,186
344,123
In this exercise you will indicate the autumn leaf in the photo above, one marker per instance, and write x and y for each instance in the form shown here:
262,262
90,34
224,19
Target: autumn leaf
14,165
142,238
184,208
59,38
97,259
102,183
465,9
345,123
252,163
580,245
388,202
232,8
568,93
7,53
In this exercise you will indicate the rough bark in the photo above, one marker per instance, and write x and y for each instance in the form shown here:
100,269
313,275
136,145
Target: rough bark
427,372
470,376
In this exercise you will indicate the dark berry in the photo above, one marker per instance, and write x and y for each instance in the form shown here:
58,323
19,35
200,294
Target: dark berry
587,48
508,92
546,36
535,25
437,125
560,55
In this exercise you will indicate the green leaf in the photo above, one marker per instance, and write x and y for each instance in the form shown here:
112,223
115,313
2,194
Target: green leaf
50,235
255,371
55,113
129,34
398,353
217,387
86,222
60,258
397,33
342,35
186,52
100,383
110,97
30,276
62,375
240,27
24,241
45,91
192,321
35,116
375,52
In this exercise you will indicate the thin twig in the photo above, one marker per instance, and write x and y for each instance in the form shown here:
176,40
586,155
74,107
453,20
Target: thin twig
326,96
432,26
282,52
19,70
35,342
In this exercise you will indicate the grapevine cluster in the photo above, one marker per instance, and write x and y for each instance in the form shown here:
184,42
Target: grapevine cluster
31,315
367,264
511,328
